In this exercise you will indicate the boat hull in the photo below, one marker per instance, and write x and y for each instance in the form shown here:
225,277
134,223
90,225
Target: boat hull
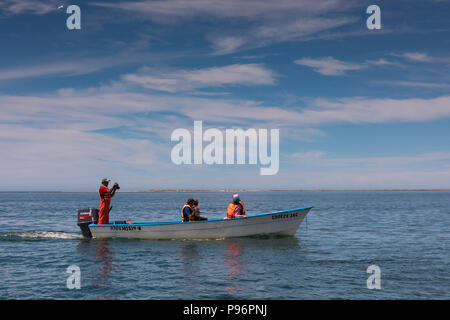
280,223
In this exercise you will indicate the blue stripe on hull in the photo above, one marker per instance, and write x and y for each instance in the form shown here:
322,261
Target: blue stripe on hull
204,221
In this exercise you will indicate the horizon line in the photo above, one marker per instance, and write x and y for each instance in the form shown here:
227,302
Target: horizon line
237,190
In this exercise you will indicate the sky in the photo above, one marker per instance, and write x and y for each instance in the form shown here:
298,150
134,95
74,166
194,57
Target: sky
355,108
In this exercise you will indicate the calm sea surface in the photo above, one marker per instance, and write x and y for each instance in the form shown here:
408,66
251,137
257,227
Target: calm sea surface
406,234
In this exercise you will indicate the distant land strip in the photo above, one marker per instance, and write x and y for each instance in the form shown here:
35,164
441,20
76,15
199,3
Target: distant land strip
270,190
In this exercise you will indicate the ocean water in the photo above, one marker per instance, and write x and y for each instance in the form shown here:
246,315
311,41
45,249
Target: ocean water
405,234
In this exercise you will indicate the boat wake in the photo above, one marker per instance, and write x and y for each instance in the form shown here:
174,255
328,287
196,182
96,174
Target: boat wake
38,235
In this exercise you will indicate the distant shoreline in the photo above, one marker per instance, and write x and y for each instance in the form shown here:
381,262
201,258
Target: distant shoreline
241,190
306,190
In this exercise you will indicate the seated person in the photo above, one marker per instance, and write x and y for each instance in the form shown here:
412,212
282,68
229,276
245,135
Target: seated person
236,208
196,214
191,212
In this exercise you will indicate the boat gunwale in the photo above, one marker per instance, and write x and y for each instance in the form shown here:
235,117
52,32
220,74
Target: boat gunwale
201,221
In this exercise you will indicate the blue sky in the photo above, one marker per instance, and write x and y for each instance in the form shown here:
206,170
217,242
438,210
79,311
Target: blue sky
356,108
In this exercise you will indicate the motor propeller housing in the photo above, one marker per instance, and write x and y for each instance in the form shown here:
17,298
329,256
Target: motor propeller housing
85,218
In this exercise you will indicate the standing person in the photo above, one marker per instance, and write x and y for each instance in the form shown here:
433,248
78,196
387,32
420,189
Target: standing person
236,208
105,200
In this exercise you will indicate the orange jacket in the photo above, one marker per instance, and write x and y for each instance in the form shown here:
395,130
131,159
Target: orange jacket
232,208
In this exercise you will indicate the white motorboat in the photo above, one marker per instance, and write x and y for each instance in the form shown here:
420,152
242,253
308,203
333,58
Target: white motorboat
284,222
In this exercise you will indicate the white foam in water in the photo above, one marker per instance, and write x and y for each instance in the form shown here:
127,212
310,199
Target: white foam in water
41,235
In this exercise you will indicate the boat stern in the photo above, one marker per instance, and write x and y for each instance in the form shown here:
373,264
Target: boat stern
85,218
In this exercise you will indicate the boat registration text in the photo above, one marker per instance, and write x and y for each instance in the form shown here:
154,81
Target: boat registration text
285,215
125,228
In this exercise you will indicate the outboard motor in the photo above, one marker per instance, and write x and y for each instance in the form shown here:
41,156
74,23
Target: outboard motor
85,218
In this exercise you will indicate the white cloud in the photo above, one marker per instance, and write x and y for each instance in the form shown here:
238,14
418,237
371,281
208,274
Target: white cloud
329,66
86,108
189,9
71,67
417,56
382,62
383,110
271,32
317,169
298,29
226,45
69,159
332,67
45,135
307,156
38,7
320,159
359,179
45,70
417,84
248,24
422,57
182,80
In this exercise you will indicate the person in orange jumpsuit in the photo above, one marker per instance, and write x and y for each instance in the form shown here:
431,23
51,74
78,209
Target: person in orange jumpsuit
105,200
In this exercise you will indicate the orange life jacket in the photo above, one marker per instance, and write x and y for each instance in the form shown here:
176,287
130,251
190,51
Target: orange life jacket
106,193
232,207
182,215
